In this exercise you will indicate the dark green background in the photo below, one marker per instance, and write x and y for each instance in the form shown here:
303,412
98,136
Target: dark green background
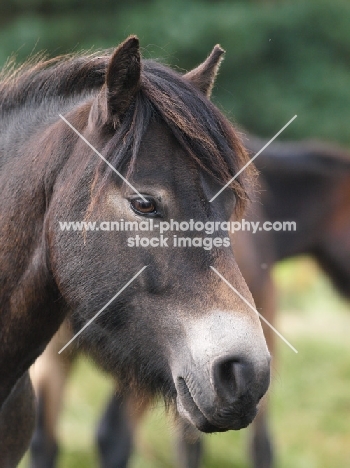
283,57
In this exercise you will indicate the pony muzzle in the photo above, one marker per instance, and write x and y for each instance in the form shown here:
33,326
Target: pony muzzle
226,372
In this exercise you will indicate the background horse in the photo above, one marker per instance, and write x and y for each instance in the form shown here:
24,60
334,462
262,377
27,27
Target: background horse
310,183
162,132
306,182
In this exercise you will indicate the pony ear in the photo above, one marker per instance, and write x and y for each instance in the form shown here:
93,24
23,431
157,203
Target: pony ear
121,83
203,76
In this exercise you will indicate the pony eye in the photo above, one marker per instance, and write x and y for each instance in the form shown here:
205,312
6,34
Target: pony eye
143,207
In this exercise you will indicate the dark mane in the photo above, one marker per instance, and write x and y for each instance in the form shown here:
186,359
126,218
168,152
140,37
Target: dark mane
206,135
39,80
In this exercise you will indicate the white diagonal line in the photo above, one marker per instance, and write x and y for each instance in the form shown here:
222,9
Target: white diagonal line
103,158
253,308
249,162
101,310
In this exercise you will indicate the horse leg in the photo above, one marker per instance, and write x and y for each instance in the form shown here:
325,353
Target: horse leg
189,446
17,419
115,433
261,447
49,376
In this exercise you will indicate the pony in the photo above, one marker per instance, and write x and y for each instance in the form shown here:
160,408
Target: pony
124,412
176,330
305,182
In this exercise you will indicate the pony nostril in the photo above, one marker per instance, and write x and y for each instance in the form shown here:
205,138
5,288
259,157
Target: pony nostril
230,379
226,375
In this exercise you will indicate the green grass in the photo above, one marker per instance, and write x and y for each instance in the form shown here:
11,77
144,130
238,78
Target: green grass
310,398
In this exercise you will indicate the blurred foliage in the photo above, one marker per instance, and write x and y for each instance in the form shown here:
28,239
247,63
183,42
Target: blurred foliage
283,57
305,289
